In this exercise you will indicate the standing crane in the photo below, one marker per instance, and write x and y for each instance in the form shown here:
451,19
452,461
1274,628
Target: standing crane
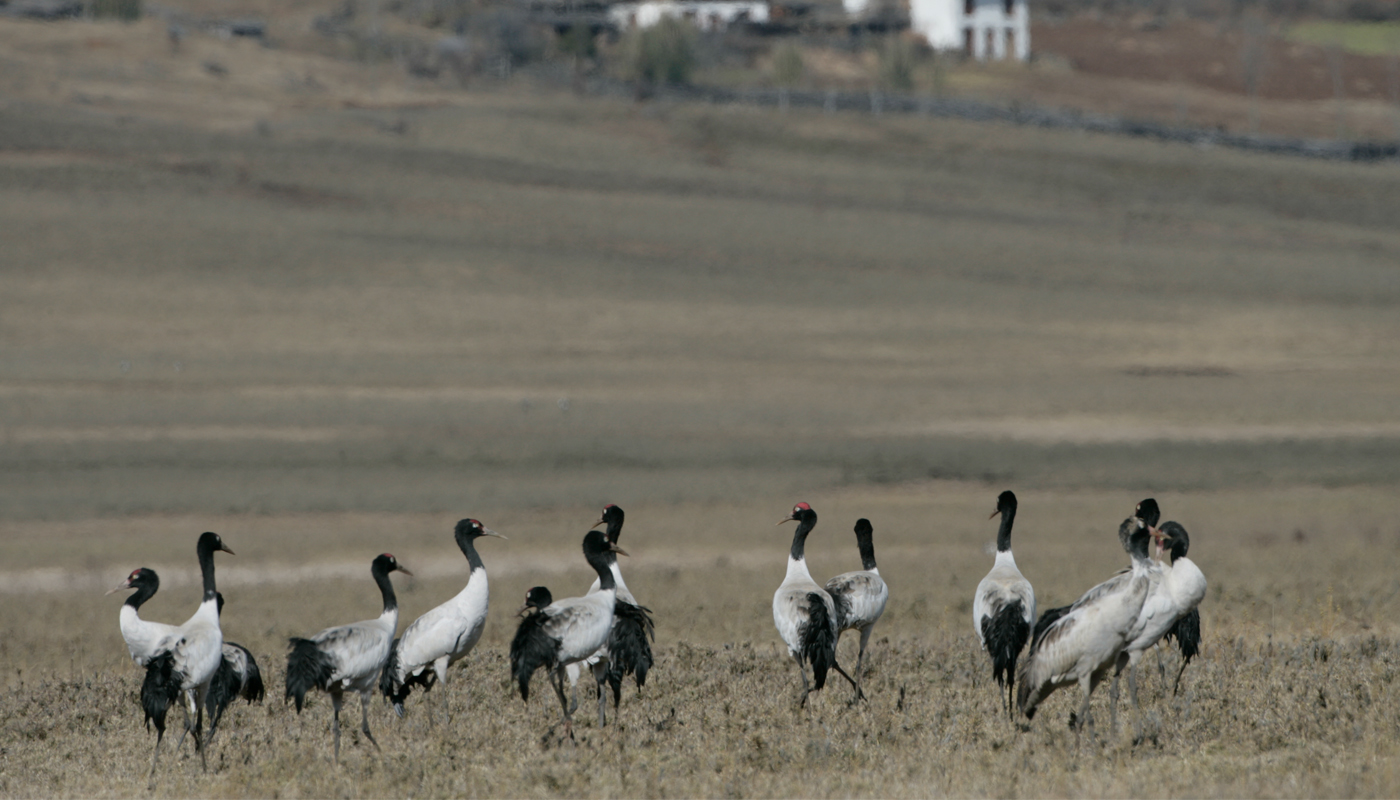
1084,643
185,660
444,635
804,612
860,596
1004,606
349,657
569,630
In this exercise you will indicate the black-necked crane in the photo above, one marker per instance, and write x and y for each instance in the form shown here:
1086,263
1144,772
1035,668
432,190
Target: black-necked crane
1083,644
349,657
859,597
185,661
1149,513
1003,608
804,613
1156,608
444,635
1187,585
141,636
569,630
238,676
628,649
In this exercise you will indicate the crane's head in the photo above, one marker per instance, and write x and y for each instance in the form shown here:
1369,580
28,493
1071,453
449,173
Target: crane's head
472,529
538,598
800,512
1006,504
138,579
1148,512
386,563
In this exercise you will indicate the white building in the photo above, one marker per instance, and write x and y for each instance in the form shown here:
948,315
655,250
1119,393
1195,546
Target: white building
988,29
707,15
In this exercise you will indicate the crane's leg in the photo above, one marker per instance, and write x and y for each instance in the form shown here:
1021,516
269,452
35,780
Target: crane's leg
564,702
1086,685
806,688
440,669
1119,664
600,676
337,700
155,753
186,731
860,659
572,671
198,723
852,681
364,720
1011,694
1177,684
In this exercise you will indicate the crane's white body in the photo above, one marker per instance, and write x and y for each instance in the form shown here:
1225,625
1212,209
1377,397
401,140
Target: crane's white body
1082,645
865,593
581,624
599,656
446,634
1177,589
1003,586
197,647
790,613
357,652
143,637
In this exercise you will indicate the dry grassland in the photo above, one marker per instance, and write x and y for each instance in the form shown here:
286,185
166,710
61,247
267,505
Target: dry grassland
331,328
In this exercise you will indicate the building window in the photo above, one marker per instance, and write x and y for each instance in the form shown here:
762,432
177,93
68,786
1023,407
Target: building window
969,6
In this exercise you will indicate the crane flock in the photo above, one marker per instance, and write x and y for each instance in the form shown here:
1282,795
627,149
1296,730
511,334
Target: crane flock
608,632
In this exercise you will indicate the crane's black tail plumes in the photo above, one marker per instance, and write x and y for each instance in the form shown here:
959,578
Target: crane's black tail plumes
1187,631
1004,635
238,676
1047,618
531,649
629,651
819,639
252,689
842,604
307,668
397,690
159,690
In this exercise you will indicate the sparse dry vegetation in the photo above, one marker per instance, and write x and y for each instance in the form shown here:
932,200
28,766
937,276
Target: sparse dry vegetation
327,313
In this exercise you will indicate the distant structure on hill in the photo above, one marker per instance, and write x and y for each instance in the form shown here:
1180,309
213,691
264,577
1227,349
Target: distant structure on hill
985,29
707,15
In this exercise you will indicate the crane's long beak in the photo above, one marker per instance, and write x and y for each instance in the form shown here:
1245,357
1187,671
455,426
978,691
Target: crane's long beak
786,519
614,548
995,514
404,570
488,532
123,585
523,608
599,522
224,548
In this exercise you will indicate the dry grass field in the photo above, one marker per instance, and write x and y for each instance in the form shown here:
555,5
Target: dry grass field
327,313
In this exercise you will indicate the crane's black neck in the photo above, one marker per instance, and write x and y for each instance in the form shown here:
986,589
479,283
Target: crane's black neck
1008,518
596,551
1179,547
865,540
468,546
145,590
206,568
386,587
805,524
